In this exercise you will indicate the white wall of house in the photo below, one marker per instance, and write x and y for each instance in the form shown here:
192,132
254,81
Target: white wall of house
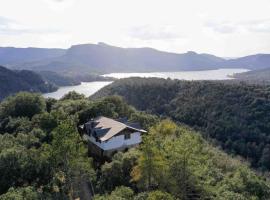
118,141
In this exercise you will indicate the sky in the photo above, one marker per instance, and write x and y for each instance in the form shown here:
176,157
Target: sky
227,28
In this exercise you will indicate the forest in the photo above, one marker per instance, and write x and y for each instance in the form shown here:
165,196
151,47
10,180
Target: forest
232,115
42,156
13,81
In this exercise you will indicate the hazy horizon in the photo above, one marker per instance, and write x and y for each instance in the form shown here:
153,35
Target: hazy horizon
223,28
225,57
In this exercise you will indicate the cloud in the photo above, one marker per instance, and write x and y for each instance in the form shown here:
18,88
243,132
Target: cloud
262,26
147,32
57,1
221,27
12,27
226,27
59,5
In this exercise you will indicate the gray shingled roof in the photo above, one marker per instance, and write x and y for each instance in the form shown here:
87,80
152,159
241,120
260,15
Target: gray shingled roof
106,128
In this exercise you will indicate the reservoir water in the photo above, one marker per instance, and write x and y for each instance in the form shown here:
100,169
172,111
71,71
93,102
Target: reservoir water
219,74
86,88
89,88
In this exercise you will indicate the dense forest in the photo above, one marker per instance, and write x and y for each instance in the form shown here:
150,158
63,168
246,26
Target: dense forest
12,81
42,156
235,115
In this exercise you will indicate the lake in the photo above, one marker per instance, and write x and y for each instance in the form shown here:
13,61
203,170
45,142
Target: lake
219,74
86,88
89,88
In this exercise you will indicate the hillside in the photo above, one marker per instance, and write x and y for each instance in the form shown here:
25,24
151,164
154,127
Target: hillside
42,156
57,79
104,58
257,76
234,115
14,81
253,62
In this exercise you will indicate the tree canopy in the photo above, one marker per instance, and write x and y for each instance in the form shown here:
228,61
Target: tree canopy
234,115
42,156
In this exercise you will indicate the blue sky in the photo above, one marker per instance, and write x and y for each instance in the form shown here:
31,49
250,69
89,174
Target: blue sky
223,27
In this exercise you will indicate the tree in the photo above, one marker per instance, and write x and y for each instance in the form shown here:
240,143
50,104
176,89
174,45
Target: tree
117,172
22,104
16,125
72,96
28,193
120,193
159,195
265,159
70,161
151,164
145,120
46,121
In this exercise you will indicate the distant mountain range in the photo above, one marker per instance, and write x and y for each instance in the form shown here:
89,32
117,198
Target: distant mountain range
13,81
103,58
13,56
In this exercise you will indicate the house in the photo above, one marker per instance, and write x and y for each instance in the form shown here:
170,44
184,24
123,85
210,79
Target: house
106,136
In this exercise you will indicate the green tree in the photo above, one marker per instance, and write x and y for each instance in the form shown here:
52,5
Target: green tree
28,193
72,96
159,195
120,193
151,165
22,104
70,161
117,172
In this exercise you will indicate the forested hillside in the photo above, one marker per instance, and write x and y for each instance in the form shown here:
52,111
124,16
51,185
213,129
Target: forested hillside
234,115
58,79
24,80
42,156
256,76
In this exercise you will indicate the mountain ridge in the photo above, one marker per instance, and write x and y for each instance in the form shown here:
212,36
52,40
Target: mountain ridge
104,58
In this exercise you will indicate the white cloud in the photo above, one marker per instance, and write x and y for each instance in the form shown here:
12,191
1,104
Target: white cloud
262,26
12,27
59,5
259,25
158,32
224,27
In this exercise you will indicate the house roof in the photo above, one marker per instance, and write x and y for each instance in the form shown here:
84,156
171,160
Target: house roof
106,128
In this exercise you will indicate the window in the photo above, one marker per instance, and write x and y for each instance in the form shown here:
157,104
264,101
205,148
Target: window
127,136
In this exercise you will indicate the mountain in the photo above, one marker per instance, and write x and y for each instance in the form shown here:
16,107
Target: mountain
235,115
104,58
14,81
252,62
13,56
